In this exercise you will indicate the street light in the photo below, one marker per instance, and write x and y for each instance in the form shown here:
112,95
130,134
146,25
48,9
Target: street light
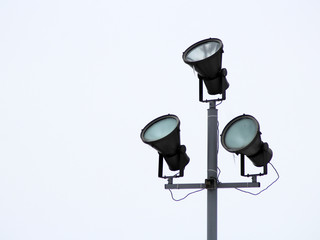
205,58
163,134
242,136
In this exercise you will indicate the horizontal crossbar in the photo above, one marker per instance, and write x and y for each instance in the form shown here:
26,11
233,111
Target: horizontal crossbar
219,185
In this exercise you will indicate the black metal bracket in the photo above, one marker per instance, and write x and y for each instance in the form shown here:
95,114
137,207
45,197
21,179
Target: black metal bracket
223,74
211,183
265,170
160,170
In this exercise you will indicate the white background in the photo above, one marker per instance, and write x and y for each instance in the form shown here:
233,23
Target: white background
80,79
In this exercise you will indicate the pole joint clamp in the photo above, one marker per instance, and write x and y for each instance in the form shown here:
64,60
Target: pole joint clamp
211,183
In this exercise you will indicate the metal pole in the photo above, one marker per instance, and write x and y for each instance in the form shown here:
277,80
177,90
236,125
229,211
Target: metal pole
212,212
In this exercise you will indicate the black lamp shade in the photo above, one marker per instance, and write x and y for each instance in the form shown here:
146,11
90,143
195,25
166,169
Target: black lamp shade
242,136
205,58
163,134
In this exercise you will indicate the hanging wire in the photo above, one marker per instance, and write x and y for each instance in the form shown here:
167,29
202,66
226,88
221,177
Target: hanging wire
219,103
218,174
177,200
255,194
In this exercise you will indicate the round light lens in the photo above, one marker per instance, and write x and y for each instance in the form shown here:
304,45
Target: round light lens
160,129
203,51
241,133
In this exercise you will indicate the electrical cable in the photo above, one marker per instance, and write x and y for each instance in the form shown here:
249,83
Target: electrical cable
255,194
219,103
177,200
218,173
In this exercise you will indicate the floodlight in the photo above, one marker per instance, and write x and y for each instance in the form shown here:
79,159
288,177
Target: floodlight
242,136
205,58
163,134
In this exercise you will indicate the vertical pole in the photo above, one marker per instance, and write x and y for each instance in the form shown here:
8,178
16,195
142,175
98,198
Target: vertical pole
212,212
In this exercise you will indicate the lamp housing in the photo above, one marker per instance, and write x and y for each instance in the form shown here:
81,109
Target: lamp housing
205,58
163,134
242,136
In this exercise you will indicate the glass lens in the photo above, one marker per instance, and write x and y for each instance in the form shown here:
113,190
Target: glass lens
203,51
241,133
160,129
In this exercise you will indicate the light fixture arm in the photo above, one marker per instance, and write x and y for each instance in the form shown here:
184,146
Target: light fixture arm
213,185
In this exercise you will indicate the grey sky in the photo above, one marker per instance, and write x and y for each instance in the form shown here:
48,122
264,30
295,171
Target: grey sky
80,79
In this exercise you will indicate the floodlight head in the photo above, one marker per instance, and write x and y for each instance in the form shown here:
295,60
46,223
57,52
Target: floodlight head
205,58
163,134
242,136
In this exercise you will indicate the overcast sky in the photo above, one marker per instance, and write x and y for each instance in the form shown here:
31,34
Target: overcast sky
80,79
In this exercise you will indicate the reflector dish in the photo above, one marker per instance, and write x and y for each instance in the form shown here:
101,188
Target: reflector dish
160,129
241,133
205,57
202,51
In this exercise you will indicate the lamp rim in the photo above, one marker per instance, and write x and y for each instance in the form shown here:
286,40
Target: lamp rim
226,128
155,121
193,46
